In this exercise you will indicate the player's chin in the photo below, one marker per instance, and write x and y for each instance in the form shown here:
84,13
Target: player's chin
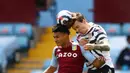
58,44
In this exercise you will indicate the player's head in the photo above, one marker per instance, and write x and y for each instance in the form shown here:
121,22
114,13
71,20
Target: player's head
61,35
80,25
75,20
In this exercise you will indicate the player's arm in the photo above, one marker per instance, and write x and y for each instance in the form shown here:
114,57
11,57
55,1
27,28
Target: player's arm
101,43
103,46
99,40
53,65
92,60
98,62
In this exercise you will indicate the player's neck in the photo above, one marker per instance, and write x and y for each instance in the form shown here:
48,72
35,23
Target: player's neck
68,43
87,27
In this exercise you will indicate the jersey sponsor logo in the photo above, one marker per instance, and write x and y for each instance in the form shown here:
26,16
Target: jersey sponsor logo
65,54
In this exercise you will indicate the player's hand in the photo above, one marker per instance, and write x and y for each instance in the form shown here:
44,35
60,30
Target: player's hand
88,46
101,58
99,62
83,41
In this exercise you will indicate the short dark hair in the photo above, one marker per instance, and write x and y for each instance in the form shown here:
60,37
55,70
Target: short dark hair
60,28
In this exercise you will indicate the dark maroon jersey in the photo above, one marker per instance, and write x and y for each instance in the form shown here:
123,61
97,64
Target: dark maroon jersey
70,59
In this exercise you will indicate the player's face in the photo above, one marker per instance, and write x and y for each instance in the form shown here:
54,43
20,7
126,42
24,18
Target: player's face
79,27
60,38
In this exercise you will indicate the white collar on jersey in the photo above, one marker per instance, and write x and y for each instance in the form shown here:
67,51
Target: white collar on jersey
91,24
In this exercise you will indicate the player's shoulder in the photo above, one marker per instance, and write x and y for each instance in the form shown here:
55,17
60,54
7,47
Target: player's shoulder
75,43
56,47
98,28
95,26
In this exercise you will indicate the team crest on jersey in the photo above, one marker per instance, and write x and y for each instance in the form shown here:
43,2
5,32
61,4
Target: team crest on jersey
74,47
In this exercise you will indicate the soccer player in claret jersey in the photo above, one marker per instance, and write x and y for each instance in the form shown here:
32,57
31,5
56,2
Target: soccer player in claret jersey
68,57
91,36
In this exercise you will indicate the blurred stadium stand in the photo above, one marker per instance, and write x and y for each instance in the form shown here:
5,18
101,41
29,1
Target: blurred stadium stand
126,29
113,29
24,29
13,37
46,64
8,45
6,29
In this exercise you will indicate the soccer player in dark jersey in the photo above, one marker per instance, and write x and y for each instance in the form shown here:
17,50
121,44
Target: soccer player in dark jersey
91,36
68,57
